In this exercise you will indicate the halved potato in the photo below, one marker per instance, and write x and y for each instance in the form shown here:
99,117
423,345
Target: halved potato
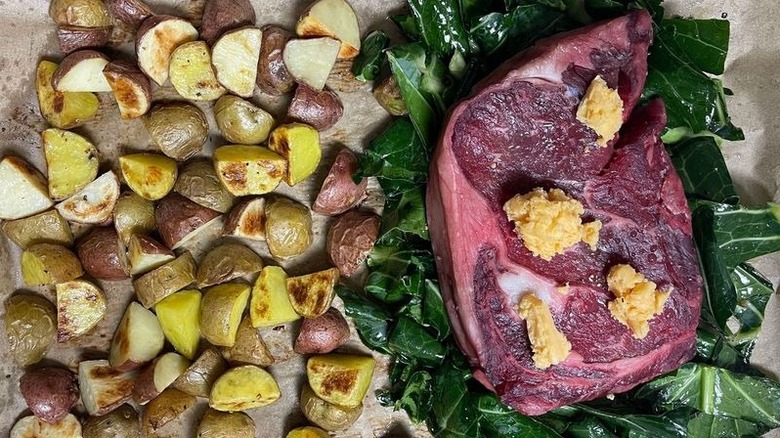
170,405
62,110
216,424
327,415
80,306
312,294
23,189
72,38
179,129
221,311
94,203
310,61
86,13
227,262
30,327
102,254
198,379
71,160
191,73
138,339
45,263
242,122
33,427
165,280
157,38
339,192
288,228
219,16
133,215
250,348
144,254
180,220
335,19
272,75
247,220
130,12
81,71
270,305
150,175
319,109
299,144
242,388
341,379
249,170
307,432
132,89
122,422
104,388
179,316
235,56
46,227
157,376
199,183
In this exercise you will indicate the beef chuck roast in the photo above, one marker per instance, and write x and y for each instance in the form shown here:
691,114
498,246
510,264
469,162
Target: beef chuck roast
518,131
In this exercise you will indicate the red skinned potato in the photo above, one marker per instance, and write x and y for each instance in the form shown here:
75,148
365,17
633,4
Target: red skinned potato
272,75
157,376
157,38
350,239
132,89
322,334
219,16
179,219
319,109
130,12
49,392
339,193
72,38
101,255
247,220
144,254
81,71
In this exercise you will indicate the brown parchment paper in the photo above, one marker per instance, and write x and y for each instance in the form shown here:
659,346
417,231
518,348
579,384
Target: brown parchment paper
27,34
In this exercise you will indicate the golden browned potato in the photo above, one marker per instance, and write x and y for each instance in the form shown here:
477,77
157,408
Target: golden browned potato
322,334
307,432
191,73
120,423
45,263
137,340
388,95
157,37
272,75
72,38
32,426
287,228
198,379
85,13
131,12
350,239
270,303
227,262
30,327
335,19
62,110
81,71
180,219
133,215
157,376
104,388
327,415
165,280
71,162
240,121
179,316
131,87
339,193
299,144
221,311
49,392
199,183
102,254
320,109
93,204
247,220
216,424
249,347
80,306
166,407
179,129
46,227
242,388
219,16
312,294
249,170
341,379
28,186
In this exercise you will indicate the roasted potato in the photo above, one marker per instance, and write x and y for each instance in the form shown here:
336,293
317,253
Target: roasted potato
227,262
179,316
80,306
191,73
86,13
249,170
240,121
104,388
23,189
235,57
179,129
216,424
130,12
170,405
342,78
120,423
81,71
198,379
322,334
138,339
350,239
157,37
220,16
49,392
242,388
299,144
93,204
133,215
327,415
335,19
272,75
150,175
62,110
72,38
247,220
199,183
102,254
341,379
270,303
310,61
388,95
30,327
180,219
145,254
71,161
221,311
157,376
287,228
46,263
339,193
312,294
165,280
249,347
46,227
307,432
131,87
31,426
320,109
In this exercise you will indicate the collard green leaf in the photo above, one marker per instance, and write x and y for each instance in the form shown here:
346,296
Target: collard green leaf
397,157
410,340
408,26
367,64
501,35
371,321
406,212
434,312
668,425
753,292
453,413
499,420
703,44
714,349
416,396
441,25
589,427
705,425
703,171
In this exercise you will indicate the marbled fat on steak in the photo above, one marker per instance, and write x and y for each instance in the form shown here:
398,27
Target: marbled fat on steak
518,131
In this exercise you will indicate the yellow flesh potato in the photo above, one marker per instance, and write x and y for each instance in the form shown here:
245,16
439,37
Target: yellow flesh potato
307,432
46,263
179,316
151,176
312,294
72,162
270,303
243,388
80,306
191,73
248,170
341,379
62,109
299,144
221,311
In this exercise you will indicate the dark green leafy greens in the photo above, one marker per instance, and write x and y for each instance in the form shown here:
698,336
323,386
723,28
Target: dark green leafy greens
368,62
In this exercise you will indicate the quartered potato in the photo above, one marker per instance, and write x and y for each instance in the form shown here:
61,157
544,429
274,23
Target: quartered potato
219,16
62,110
322,334
249,347
288,228
327,415
227,262
247,220
180,220
149,175
46,227
240,121
341,379
46,263
272,75
102,254
84,13
72,38
133,215
351,238
221,311
270,304
131,87
216,424
71,161
319,109
130,12
339,192
299,144
94,203
235,56
145,254
179,316
179,129
164,408
310,61
249,170
165,280
307,432
23,190
191,73
199,183
30,327
104,388
122,422
33,427
80,306
335,19
138,339
157,38
81,71
157,376
242,388
198,379
312,294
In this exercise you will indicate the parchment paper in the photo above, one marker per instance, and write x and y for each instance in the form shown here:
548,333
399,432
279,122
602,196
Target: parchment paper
27,34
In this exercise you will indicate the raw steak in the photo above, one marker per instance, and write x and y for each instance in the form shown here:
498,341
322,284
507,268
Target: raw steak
517,131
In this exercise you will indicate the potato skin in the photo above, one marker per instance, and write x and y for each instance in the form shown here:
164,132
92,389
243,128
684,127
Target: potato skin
30,327
100,256
339,193
133,215
72,38
198,379
319,109
388,96
350,239
327,415
249,348
241,122
120,423
227,262
199,183
163,409
216,424
179,129
272,75
219,16
131,12
46,227
177,217
86,13
49,392
287,228
322,334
